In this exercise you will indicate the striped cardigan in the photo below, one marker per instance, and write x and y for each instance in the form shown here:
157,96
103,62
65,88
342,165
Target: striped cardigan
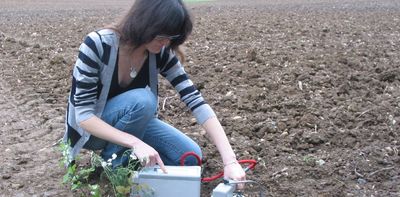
91,81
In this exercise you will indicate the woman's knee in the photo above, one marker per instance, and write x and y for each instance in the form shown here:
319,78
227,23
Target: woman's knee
192,157
143,100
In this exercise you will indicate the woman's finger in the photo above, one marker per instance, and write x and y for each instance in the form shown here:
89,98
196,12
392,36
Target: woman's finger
153,162
161,164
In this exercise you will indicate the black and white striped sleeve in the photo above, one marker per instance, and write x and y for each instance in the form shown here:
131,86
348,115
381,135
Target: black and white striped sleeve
85,85
173,71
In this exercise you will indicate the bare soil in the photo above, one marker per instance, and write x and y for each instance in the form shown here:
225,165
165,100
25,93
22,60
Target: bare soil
309,88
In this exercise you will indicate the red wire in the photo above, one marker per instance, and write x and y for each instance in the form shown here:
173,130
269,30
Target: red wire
221,173
183,158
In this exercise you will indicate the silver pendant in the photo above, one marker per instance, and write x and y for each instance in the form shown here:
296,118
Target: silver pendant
133,73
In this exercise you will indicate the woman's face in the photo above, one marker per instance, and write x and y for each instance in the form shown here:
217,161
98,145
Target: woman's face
159,42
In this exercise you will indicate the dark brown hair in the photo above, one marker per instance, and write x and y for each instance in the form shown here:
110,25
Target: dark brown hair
148,18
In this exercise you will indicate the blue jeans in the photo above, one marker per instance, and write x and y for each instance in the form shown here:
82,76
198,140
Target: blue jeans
134,112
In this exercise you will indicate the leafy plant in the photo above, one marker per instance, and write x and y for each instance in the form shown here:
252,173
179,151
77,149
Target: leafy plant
119,177
75,177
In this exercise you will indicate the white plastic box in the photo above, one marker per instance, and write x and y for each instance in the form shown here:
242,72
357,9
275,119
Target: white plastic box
180,181
223,190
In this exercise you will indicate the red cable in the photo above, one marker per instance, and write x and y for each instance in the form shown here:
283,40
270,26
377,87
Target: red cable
213,178
220,174
183,158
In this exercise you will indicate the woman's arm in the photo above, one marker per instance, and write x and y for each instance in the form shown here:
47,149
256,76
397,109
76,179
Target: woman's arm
232,168
218,137
101,129
173,71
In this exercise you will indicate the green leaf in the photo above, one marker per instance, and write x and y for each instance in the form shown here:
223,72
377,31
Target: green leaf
66,178
95,190
123,189
76,186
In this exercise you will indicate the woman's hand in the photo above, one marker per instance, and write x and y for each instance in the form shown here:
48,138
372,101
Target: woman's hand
148,156
97,127
234,171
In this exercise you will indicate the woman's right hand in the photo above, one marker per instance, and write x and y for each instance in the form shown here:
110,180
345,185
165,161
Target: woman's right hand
96,127
148,155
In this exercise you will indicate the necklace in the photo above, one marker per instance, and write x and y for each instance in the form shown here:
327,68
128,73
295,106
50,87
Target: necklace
133,72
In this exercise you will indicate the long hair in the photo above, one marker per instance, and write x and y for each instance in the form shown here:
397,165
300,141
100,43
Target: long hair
148,18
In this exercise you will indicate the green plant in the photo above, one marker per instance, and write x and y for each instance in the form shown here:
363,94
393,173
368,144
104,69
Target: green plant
119,177
310,160
75,177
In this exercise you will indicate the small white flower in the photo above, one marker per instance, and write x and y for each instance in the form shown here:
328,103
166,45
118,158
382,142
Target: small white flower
114,156
144,160
135,174
104,164
109,162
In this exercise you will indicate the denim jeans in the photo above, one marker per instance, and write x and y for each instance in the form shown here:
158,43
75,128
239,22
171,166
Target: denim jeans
134,112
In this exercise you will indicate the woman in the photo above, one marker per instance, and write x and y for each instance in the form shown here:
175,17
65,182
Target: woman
113,101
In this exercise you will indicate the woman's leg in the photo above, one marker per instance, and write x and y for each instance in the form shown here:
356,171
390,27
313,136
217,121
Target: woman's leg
130,112
170,143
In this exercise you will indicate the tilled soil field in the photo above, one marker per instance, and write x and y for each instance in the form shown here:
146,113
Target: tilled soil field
309,88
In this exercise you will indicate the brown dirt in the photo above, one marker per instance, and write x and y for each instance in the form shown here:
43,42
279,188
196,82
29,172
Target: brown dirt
308,88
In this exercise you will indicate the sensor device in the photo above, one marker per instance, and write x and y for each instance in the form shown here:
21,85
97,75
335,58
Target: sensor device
179,181
223,190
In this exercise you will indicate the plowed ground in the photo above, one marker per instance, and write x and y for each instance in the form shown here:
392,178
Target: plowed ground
310,89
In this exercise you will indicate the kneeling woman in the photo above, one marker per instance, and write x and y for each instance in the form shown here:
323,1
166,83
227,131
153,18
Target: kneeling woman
113,100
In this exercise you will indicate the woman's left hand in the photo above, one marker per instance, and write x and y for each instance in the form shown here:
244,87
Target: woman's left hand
234,171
